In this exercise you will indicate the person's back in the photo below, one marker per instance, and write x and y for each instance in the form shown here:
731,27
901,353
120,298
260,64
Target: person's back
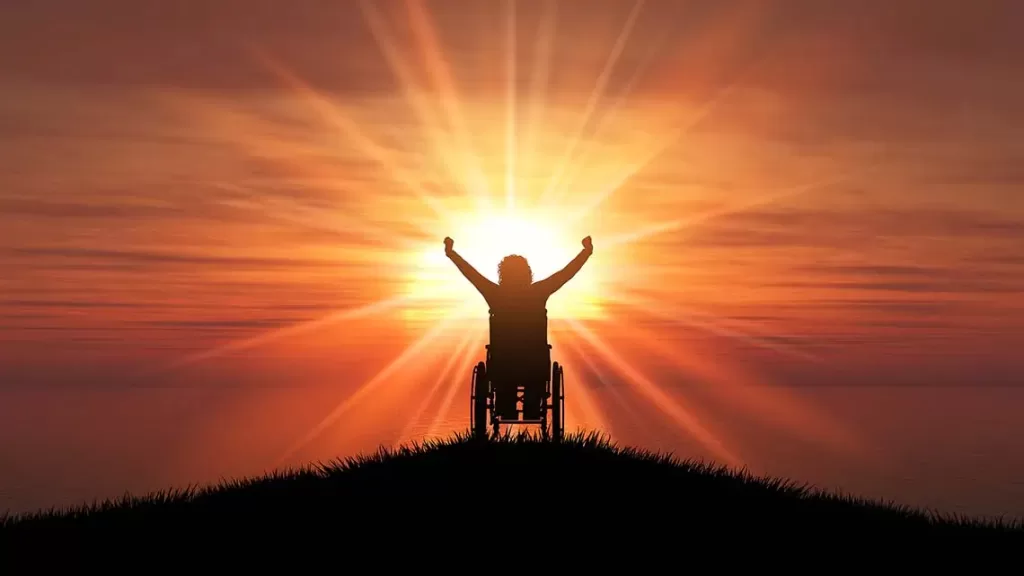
518,317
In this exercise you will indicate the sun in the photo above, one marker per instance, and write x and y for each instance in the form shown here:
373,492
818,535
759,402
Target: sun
483,238
551,202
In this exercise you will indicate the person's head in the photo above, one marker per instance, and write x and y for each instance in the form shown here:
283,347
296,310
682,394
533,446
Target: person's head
514,270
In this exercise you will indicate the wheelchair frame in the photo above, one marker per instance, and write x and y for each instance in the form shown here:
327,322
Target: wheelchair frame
483,408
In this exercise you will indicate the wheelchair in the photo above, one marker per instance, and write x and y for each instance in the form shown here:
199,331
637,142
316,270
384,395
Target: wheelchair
490,387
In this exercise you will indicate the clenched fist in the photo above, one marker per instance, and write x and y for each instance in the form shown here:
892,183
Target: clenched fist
588,244
448,243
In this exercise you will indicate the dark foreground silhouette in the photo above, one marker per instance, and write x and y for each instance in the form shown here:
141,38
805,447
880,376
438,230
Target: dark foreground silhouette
581,494
519,357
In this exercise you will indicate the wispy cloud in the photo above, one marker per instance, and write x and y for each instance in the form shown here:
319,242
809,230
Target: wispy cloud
144,257
920,287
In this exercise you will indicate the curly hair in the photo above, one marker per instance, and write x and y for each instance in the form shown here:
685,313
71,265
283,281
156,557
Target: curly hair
514,270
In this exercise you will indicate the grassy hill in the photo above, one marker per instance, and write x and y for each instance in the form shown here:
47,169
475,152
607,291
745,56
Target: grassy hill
494,493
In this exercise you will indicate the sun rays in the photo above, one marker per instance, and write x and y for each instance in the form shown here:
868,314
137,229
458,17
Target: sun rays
557,191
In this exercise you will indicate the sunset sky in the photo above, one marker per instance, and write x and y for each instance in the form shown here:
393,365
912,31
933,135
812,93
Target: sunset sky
221,231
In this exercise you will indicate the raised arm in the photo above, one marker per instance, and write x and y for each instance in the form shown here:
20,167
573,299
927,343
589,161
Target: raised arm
483,285
552,283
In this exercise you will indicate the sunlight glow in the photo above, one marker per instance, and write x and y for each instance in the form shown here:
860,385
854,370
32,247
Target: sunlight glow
408,356
683,416
371,309
566,171
483,239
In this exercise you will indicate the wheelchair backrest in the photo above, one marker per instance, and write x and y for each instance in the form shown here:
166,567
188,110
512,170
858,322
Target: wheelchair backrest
518,329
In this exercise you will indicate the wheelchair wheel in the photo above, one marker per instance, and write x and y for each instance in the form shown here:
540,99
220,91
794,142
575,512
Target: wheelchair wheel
478,400
557,403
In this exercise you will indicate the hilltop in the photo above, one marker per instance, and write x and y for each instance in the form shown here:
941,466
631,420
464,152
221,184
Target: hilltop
463,491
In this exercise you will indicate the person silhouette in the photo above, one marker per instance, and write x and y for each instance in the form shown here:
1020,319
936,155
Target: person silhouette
518,316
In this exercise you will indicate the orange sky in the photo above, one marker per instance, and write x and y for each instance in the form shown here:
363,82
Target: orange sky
807,221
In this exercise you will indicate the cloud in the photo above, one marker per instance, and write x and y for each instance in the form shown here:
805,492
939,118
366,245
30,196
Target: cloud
248,323
48,209
147,258
1003,260
63,304
911,275
909,221
141,43
874,270
960,286
898,307
807,227
865,46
